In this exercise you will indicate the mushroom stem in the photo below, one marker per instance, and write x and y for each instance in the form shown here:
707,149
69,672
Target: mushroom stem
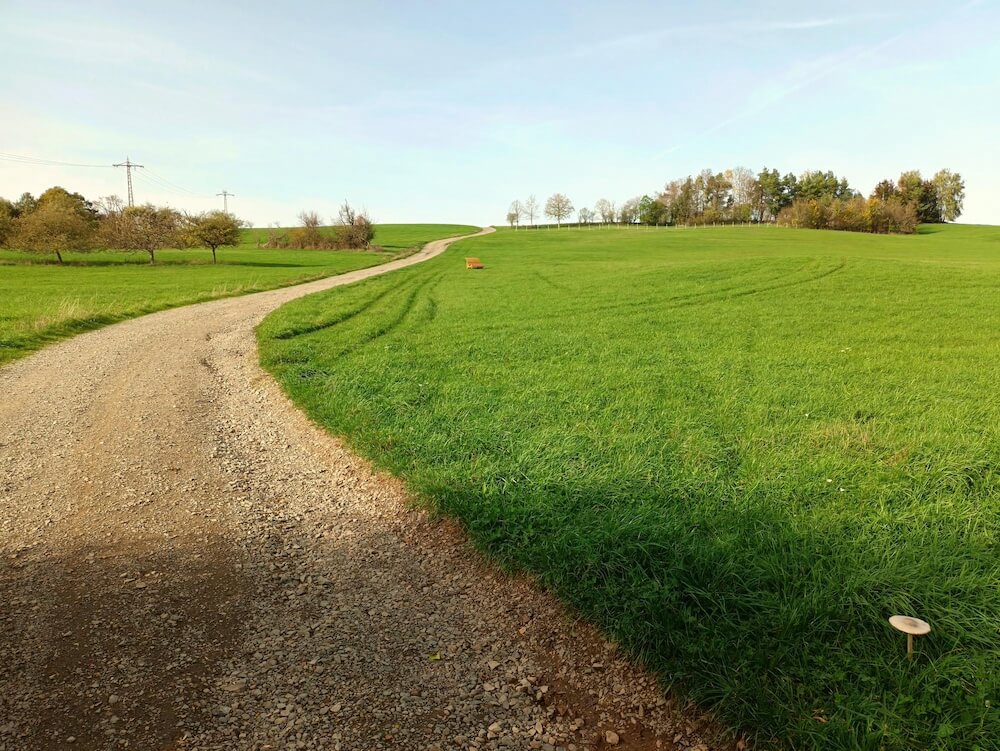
911,627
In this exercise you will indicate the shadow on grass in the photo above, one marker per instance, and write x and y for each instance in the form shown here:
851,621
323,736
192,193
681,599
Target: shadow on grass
773,621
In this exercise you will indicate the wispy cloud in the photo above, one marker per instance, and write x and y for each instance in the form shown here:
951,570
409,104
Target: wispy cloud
817,70
635,43
766,98
812,23
737,27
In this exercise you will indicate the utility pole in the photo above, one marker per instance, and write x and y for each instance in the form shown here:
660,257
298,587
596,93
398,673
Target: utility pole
225,199
129,165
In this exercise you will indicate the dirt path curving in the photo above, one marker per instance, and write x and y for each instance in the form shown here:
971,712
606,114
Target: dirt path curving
186,562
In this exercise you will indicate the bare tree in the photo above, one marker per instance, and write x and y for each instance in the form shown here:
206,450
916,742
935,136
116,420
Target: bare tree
744,190
558,207
586,215
108,205
346,214
275,237
307,234
531,209
606,210
154,228
111,229
514,214
356,229
309,219
629,212
148,228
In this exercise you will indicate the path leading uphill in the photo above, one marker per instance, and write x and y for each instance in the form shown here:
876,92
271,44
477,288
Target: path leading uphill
186,562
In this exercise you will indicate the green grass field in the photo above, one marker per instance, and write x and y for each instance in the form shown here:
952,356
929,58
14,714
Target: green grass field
737,450
41,301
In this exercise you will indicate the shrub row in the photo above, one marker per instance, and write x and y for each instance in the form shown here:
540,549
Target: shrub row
851,214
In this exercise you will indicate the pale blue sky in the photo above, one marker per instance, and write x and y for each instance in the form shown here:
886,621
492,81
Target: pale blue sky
446,111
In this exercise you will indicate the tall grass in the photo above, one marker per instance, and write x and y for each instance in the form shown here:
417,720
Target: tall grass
737,450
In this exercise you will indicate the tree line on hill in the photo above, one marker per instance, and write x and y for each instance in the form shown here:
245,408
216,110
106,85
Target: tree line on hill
814,199
59,221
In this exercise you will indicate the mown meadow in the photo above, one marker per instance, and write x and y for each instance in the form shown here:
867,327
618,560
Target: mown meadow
738,450
42,301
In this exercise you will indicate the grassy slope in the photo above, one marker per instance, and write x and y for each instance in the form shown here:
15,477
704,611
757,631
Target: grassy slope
739,450
41,301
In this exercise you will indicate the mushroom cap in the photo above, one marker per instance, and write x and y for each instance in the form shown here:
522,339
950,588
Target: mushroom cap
910,625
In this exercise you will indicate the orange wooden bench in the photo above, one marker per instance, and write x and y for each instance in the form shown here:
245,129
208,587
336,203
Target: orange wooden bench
474,263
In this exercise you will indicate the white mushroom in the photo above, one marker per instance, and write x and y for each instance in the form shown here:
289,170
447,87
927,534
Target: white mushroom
911,627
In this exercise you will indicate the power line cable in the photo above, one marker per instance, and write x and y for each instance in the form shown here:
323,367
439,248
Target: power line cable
155,175
149,177
150,182
37,162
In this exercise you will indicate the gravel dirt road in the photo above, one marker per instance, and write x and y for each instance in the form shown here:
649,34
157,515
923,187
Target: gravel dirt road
189,563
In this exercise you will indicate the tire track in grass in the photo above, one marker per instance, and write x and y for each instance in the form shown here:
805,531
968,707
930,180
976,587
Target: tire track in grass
717,293
429,311
551,282
298,348
337,318
759,290
391,325
698,298
368,337
421,319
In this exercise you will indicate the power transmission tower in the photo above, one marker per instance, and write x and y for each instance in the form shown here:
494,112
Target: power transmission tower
129,165
225,199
